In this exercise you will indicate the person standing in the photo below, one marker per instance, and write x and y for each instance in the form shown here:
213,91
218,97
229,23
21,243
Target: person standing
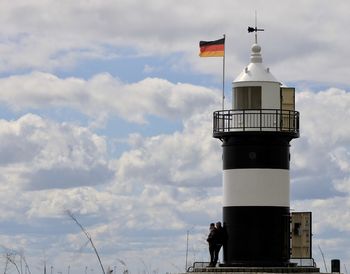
220,237
212,241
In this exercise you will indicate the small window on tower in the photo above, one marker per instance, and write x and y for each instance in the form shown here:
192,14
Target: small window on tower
297,229
247,98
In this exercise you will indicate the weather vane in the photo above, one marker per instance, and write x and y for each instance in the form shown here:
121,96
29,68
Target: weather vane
251,29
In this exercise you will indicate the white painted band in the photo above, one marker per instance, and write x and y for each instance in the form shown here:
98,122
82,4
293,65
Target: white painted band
256,187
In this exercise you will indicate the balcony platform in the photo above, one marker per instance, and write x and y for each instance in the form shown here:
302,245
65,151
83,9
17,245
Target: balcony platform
231,122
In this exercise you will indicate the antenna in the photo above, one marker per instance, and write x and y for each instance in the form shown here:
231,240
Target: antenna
324,261
255,29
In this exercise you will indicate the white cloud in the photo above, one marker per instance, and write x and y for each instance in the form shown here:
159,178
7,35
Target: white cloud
189,158
319,156
104,95
149,69
44,154
54,203
46,35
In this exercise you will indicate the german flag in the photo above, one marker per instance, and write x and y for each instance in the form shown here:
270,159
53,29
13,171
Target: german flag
212,48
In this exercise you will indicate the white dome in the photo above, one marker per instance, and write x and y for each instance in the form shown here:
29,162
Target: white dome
255,71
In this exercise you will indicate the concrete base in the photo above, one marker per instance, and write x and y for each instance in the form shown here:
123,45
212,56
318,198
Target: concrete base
254,270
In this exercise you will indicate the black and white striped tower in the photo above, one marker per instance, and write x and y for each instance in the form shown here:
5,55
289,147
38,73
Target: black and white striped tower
255,137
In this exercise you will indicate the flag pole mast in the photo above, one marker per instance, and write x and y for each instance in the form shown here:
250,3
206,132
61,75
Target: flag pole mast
223,76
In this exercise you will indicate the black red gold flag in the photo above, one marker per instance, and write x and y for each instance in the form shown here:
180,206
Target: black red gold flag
212,48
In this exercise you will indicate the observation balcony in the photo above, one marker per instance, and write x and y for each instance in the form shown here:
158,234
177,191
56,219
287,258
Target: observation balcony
228,122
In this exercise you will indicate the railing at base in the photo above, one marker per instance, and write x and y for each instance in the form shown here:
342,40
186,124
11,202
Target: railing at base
304,262
296,265
197,265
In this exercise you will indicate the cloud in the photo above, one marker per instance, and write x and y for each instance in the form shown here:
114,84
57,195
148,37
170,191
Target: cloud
103,95
190,158
14,148
108,30
58,43
149,69
319,156
41,154
54,202
64,177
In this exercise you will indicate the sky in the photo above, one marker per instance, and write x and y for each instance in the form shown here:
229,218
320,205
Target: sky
106,112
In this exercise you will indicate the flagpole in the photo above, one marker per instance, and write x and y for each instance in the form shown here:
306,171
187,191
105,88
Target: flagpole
223,76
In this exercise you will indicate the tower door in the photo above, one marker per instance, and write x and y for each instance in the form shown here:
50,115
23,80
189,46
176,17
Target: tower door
288,98
287,105
301,232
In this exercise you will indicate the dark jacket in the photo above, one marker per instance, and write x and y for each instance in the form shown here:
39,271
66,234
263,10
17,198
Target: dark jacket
212,237
220,236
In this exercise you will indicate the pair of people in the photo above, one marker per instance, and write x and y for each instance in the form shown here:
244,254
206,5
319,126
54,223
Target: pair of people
215,240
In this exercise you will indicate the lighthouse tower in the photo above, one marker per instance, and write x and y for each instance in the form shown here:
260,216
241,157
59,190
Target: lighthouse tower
255,137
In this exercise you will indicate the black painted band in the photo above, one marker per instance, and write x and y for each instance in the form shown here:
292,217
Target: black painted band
256,235
255,151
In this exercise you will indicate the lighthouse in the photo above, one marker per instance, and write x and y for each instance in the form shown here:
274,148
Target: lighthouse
256,135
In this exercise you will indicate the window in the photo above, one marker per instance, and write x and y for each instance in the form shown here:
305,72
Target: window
247,98
297,229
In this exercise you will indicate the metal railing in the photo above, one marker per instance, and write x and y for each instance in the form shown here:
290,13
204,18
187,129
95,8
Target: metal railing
307,266
275,120
199,266
304,262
